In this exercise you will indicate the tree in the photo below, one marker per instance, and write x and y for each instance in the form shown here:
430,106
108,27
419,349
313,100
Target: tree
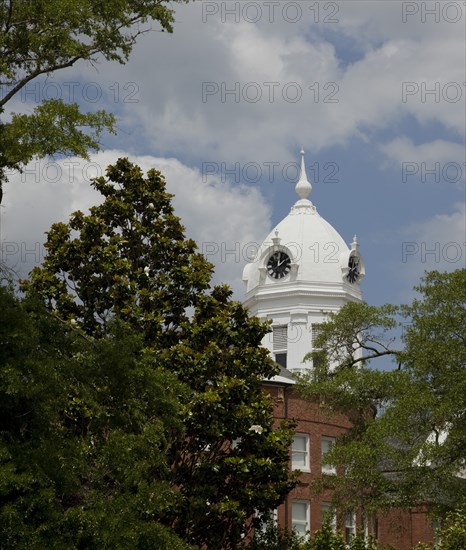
84,431
411,448
128,260
40,37
453,533
276,538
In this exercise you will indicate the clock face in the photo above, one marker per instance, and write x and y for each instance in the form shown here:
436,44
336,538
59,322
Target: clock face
353,269
279,265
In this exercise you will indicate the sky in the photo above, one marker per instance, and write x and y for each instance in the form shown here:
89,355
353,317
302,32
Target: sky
374,91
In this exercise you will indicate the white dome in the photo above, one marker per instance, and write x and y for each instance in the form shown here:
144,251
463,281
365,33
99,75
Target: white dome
320,258
317,251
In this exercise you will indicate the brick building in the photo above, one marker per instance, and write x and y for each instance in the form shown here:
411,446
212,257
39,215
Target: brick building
304,511
302,271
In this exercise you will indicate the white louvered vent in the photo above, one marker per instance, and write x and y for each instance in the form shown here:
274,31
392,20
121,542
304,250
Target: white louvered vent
280,338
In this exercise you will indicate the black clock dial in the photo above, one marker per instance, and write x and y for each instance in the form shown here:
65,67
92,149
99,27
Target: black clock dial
353,269
279,265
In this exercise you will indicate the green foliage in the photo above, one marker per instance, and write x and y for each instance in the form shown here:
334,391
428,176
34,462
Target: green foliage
221,359
356,327
273,537
453,534
138,264
408,440
128,260
53,128
326,539
276,538
84,429
40,37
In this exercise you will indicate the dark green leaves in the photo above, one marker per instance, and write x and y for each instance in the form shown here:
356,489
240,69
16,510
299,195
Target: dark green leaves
84,432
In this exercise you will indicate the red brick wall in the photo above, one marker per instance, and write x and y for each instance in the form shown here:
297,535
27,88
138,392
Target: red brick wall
312,421
403,529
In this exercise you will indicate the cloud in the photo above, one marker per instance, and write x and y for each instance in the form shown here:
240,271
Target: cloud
403,149
274,85
438,243
256,72
222,217
439,160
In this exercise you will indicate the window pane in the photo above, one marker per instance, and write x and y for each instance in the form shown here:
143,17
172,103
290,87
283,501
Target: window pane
299,461
300,517
280,358
300,452
299,511
299,443
301,529
329,515
326,445
316,329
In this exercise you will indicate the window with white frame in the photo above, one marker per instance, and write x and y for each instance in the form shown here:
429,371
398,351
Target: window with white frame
326,444
350,525
301,517
300,455
329,514
280,344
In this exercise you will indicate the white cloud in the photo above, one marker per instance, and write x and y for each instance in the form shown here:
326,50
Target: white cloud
169,117
403,149
438,160
222,217
438,243
170,72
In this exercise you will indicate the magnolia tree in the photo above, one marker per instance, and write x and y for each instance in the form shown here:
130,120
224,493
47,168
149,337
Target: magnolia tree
128,260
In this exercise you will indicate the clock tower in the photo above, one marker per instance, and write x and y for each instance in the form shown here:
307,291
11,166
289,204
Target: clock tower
302,271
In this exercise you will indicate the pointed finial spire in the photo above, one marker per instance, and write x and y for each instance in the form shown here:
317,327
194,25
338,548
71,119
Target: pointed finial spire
303,187
355,244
